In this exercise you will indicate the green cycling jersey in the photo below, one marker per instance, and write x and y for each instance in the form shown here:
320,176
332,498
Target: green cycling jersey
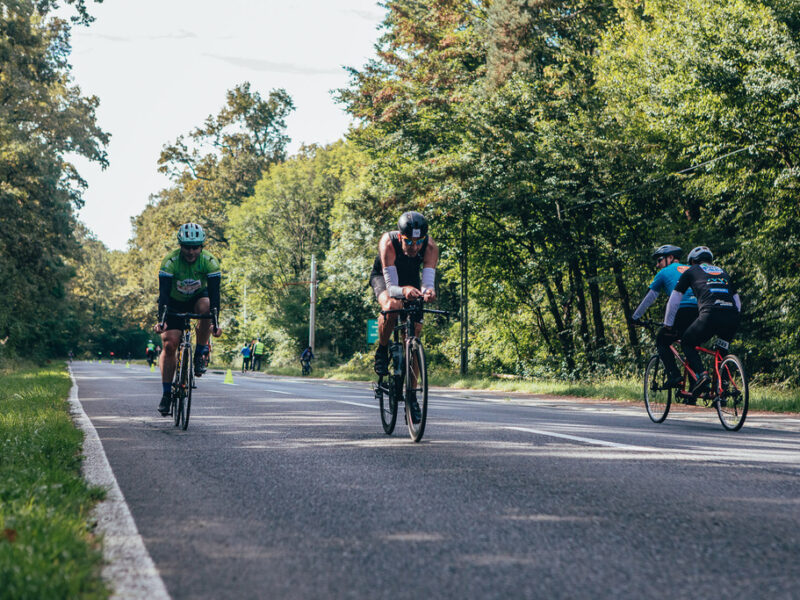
188,280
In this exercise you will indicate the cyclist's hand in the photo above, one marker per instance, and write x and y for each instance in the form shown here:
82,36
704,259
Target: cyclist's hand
410,292
429,295
160,327
216,331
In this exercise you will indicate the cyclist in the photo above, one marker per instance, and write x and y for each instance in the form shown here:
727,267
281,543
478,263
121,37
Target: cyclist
150,352
670,270
305,358
188,281
718,304
396,275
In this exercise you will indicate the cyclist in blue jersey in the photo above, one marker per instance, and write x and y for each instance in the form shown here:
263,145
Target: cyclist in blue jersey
718,304
670,271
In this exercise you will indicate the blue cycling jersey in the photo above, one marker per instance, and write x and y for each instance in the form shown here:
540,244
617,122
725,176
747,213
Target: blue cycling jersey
666,280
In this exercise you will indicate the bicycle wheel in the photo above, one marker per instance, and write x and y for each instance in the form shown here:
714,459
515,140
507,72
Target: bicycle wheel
415,385
387,402
187,401
184,384
734,398
657,396
176,393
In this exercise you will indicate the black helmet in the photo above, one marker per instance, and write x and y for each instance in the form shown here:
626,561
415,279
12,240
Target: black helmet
412,224
700,254
667,250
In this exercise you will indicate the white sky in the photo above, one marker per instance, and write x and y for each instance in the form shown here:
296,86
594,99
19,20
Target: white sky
160,67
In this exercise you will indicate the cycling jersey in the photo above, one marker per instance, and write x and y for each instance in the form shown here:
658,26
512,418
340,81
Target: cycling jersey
666,279
712,286
408,267
189,281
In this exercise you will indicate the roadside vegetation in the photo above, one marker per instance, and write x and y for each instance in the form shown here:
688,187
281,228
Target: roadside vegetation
47,549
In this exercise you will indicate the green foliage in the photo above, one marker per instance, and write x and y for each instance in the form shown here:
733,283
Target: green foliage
43,120
46,547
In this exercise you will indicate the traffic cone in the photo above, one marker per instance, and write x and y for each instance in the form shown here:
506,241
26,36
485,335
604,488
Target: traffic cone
152,368
228,377
127,365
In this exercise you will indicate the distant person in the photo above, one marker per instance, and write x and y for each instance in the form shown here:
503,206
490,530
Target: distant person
258,354
150,352
305,360
245,357
70,355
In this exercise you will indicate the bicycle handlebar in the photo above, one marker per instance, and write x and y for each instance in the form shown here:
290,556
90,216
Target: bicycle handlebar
189,315
413,306
645,323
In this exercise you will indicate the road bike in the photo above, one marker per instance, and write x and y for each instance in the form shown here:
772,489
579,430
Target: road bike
728,394
408,375
183,380
306,367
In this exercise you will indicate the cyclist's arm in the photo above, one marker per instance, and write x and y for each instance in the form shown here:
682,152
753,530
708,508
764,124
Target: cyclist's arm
164,289
214,281
738,301
429,263
646,303
388,257
672,307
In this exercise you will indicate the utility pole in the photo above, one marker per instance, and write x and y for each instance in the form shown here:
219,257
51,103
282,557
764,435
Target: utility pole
312,314
464,299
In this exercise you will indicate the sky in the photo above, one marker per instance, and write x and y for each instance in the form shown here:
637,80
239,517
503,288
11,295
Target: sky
160,67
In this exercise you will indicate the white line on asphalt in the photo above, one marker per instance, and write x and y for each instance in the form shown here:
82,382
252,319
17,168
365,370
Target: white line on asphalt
280,392
582,439
130,569
355,403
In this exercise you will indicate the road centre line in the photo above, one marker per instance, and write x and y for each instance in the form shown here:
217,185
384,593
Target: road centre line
585,440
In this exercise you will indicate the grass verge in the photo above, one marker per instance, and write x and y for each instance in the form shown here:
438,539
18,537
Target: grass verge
46,546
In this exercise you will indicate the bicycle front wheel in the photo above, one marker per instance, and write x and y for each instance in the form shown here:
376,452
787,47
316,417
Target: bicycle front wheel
415,389
657,395
733,398
387,402
187,401
184,385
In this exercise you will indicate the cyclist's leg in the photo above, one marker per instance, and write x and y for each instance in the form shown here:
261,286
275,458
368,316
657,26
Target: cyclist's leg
696,333
684,317
203,327
386,324
170,340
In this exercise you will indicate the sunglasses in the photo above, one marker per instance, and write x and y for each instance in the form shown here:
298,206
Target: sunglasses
187,247
409,242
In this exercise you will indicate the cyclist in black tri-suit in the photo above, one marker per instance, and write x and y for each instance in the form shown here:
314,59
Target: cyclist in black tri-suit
718,306
396,275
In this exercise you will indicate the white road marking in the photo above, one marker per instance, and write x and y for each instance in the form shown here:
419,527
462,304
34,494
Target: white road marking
585,440
129,568
356,404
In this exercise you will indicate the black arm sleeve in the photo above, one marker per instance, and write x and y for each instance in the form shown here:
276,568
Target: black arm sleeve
164,288
213,291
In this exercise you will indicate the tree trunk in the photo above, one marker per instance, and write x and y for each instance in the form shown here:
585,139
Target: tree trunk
625,301
597,313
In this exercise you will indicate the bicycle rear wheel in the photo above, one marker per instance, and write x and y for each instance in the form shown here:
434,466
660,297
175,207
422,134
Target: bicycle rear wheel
387,402
657,396
415,386
734,398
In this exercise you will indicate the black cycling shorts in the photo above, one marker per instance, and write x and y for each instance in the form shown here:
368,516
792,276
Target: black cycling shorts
182,306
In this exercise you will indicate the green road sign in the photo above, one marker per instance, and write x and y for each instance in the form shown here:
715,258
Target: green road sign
372,331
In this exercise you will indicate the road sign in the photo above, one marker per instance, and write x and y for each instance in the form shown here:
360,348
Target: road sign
372,331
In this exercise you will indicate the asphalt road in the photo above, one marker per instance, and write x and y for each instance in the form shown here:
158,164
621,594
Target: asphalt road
288,488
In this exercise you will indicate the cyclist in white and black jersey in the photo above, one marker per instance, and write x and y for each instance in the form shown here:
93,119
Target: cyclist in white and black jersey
718,305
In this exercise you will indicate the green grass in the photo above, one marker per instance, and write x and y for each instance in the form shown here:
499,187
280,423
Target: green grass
46,546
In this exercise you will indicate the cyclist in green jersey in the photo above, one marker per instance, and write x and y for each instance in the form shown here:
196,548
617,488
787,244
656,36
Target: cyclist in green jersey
188,281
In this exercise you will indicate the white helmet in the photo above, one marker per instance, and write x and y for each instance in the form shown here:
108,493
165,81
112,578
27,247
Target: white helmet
191,234
700,254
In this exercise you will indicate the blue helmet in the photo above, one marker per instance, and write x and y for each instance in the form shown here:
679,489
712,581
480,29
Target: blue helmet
666,250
